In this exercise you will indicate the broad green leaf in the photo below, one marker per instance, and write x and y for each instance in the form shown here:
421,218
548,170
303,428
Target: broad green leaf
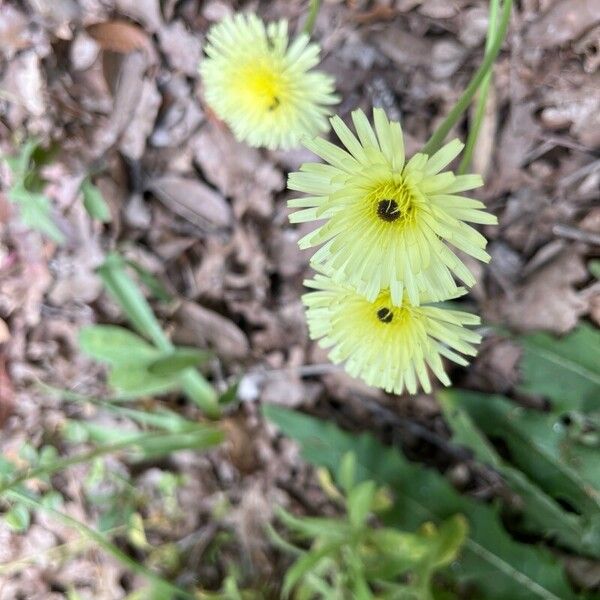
18,518
542,513
594,267
178,360
117,346
540,447
94,203
135,381
500,567
138,311
566,370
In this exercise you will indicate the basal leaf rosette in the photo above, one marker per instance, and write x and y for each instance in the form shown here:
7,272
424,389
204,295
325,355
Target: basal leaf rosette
388,223
262,85
394,347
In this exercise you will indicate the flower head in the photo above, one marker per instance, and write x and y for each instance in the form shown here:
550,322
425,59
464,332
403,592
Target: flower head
387,345
261,87
388,220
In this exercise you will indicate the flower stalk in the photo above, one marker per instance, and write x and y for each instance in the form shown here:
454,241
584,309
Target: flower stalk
439,135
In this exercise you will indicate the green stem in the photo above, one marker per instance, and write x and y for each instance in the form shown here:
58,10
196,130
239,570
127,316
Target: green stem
60,465
98,538
483,92
313,11
438,137
137,309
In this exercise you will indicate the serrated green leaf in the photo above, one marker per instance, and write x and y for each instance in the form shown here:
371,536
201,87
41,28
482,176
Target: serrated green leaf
18,518
117,346
500,567
540,447
566,370
543,514
94,203
178,360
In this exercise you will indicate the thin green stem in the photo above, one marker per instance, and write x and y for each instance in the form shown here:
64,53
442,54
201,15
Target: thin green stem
313,11
483,92
98,451
106,545
137,309
438,137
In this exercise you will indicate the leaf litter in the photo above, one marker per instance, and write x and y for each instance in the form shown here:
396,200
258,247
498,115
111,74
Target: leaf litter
115,83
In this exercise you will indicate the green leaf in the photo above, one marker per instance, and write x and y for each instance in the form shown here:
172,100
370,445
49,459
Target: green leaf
117,346
540,447
134,381
132,301
360,500
20,163
499,566
178,360
543,514
18,518
347,471
566,370
138,311
154,285
594,267
304,565
36,212
94,203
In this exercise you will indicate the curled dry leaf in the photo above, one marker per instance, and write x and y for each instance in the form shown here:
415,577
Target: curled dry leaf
547,300
133,140
182,48
6,390
566,21
192,200
202,327
121,37
13,31
238,171
147,12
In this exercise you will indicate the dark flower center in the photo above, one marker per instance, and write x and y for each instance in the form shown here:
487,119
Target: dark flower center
385,315
387,210
275,102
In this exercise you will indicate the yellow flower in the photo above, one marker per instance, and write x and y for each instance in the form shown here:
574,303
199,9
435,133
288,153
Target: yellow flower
387,219
387,346
261,87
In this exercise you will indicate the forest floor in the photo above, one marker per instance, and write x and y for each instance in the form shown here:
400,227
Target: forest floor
114,86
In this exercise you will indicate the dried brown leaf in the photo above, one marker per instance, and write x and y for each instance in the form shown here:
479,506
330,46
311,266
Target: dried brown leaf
192,200
121,37
564,22
202,327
